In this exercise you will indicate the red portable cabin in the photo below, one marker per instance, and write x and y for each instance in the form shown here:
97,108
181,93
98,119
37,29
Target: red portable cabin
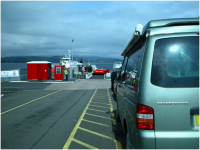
38,70
59,72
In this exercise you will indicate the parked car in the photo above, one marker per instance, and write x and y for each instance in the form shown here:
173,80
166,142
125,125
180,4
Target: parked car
158,90
113,77
114,74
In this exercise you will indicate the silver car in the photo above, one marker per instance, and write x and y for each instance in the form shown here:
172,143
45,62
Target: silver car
158,89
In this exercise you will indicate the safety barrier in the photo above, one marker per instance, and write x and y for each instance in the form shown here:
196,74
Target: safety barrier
14,75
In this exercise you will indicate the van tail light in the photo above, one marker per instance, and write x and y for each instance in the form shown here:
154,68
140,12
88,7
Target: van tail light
144,117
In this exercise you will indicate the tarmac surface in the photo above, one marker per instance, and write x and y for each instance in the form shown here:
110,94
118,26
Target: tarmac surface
60,115
97,77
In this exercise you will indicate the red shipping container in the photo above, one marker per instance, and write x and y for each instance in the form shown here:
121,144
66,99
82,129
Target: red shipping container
38,70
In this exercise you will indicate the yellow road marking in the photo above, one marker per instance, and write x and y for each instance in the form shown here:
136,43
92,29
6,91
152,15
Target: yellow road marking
71,137
98,116
66,146
26,90
96,110
100,100
97,133
101,103
29,102
118,144
95,122
98,106
113,115
84,144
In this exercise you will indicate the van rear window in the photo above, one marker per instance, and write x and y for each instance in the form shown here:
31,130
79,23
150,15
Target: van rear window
176,62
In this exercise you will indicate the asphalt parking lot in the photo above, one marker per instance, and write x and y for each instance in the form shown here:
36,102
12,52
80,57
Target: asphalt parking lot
73,116
96,125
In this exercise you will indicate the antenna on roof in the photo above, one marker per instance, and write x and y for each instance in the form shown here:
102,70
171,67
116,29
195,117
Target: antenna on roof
138,29
136,35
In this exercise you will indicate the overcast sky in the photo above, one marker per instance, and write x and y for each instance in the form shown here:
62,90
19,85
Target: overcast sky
99,28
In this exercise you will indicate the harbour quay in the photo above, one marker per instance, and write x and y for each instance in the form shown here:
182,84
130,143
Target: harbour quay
78,114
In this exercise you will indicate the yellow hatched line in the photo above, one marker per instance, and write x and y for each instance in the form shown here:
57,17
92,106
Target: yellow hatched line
84,144
67,144
96,110
100,98
118,144
98,106
29,102
96,133
97,116
101,103
96,123
26,90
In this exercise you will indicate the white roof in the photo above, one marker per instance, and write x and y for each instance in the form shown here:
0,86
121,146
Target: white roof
38,62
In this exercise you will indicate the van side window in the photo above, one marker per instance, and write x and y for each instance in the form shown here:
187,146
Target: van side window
122,73
134,66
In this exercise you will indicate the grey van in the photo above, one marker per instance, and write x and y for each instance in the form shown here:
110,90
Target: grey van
158,87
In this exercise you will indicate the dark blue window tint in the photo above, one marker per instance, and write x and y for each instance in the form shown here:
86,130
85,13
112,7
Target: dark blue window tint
176,62
122,73
133,66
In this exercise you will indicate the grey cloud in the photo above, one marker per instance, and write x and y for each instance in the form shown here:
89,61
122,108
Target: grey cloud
98,28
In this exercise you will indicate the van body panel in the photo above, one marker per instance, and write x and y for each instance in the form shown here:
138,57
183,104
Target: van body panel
146,139
174,118
164,22
177,140
140,139
175,103
176,29
121,102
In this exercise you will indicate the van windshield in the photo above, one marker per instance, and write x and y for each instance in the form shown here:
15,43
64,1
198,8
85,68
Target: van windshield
176,62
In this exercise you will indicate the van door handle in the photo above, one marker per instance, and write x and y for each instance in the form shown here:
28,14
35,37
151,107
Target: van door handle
194,110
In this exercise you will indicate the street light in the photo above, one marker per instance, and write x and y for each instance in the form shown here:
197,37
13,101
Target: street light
70,61
72,57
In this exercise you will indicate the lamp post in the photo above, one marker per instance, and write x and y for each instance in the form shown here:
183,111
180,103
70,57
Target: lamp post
72,57
70,61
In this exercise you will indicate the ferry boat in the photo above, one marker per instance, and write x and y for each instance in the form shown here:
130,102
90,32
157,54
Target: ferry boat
66,61
94,67
68,64
101,71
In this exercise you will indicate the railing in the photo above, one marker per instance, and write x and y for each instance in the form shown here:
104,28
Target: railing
14,75
107,76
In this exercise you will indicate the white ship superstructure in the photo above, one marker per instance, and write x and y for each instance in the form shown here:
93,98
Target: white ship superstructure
117,66
66,61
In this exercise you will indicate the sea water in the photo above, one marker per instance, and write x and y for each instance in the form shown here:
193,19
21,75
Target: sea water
14,66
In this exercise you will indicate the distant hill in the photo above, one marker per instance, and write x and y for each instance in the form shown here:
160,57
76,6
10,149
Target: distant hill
56,59
26,59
